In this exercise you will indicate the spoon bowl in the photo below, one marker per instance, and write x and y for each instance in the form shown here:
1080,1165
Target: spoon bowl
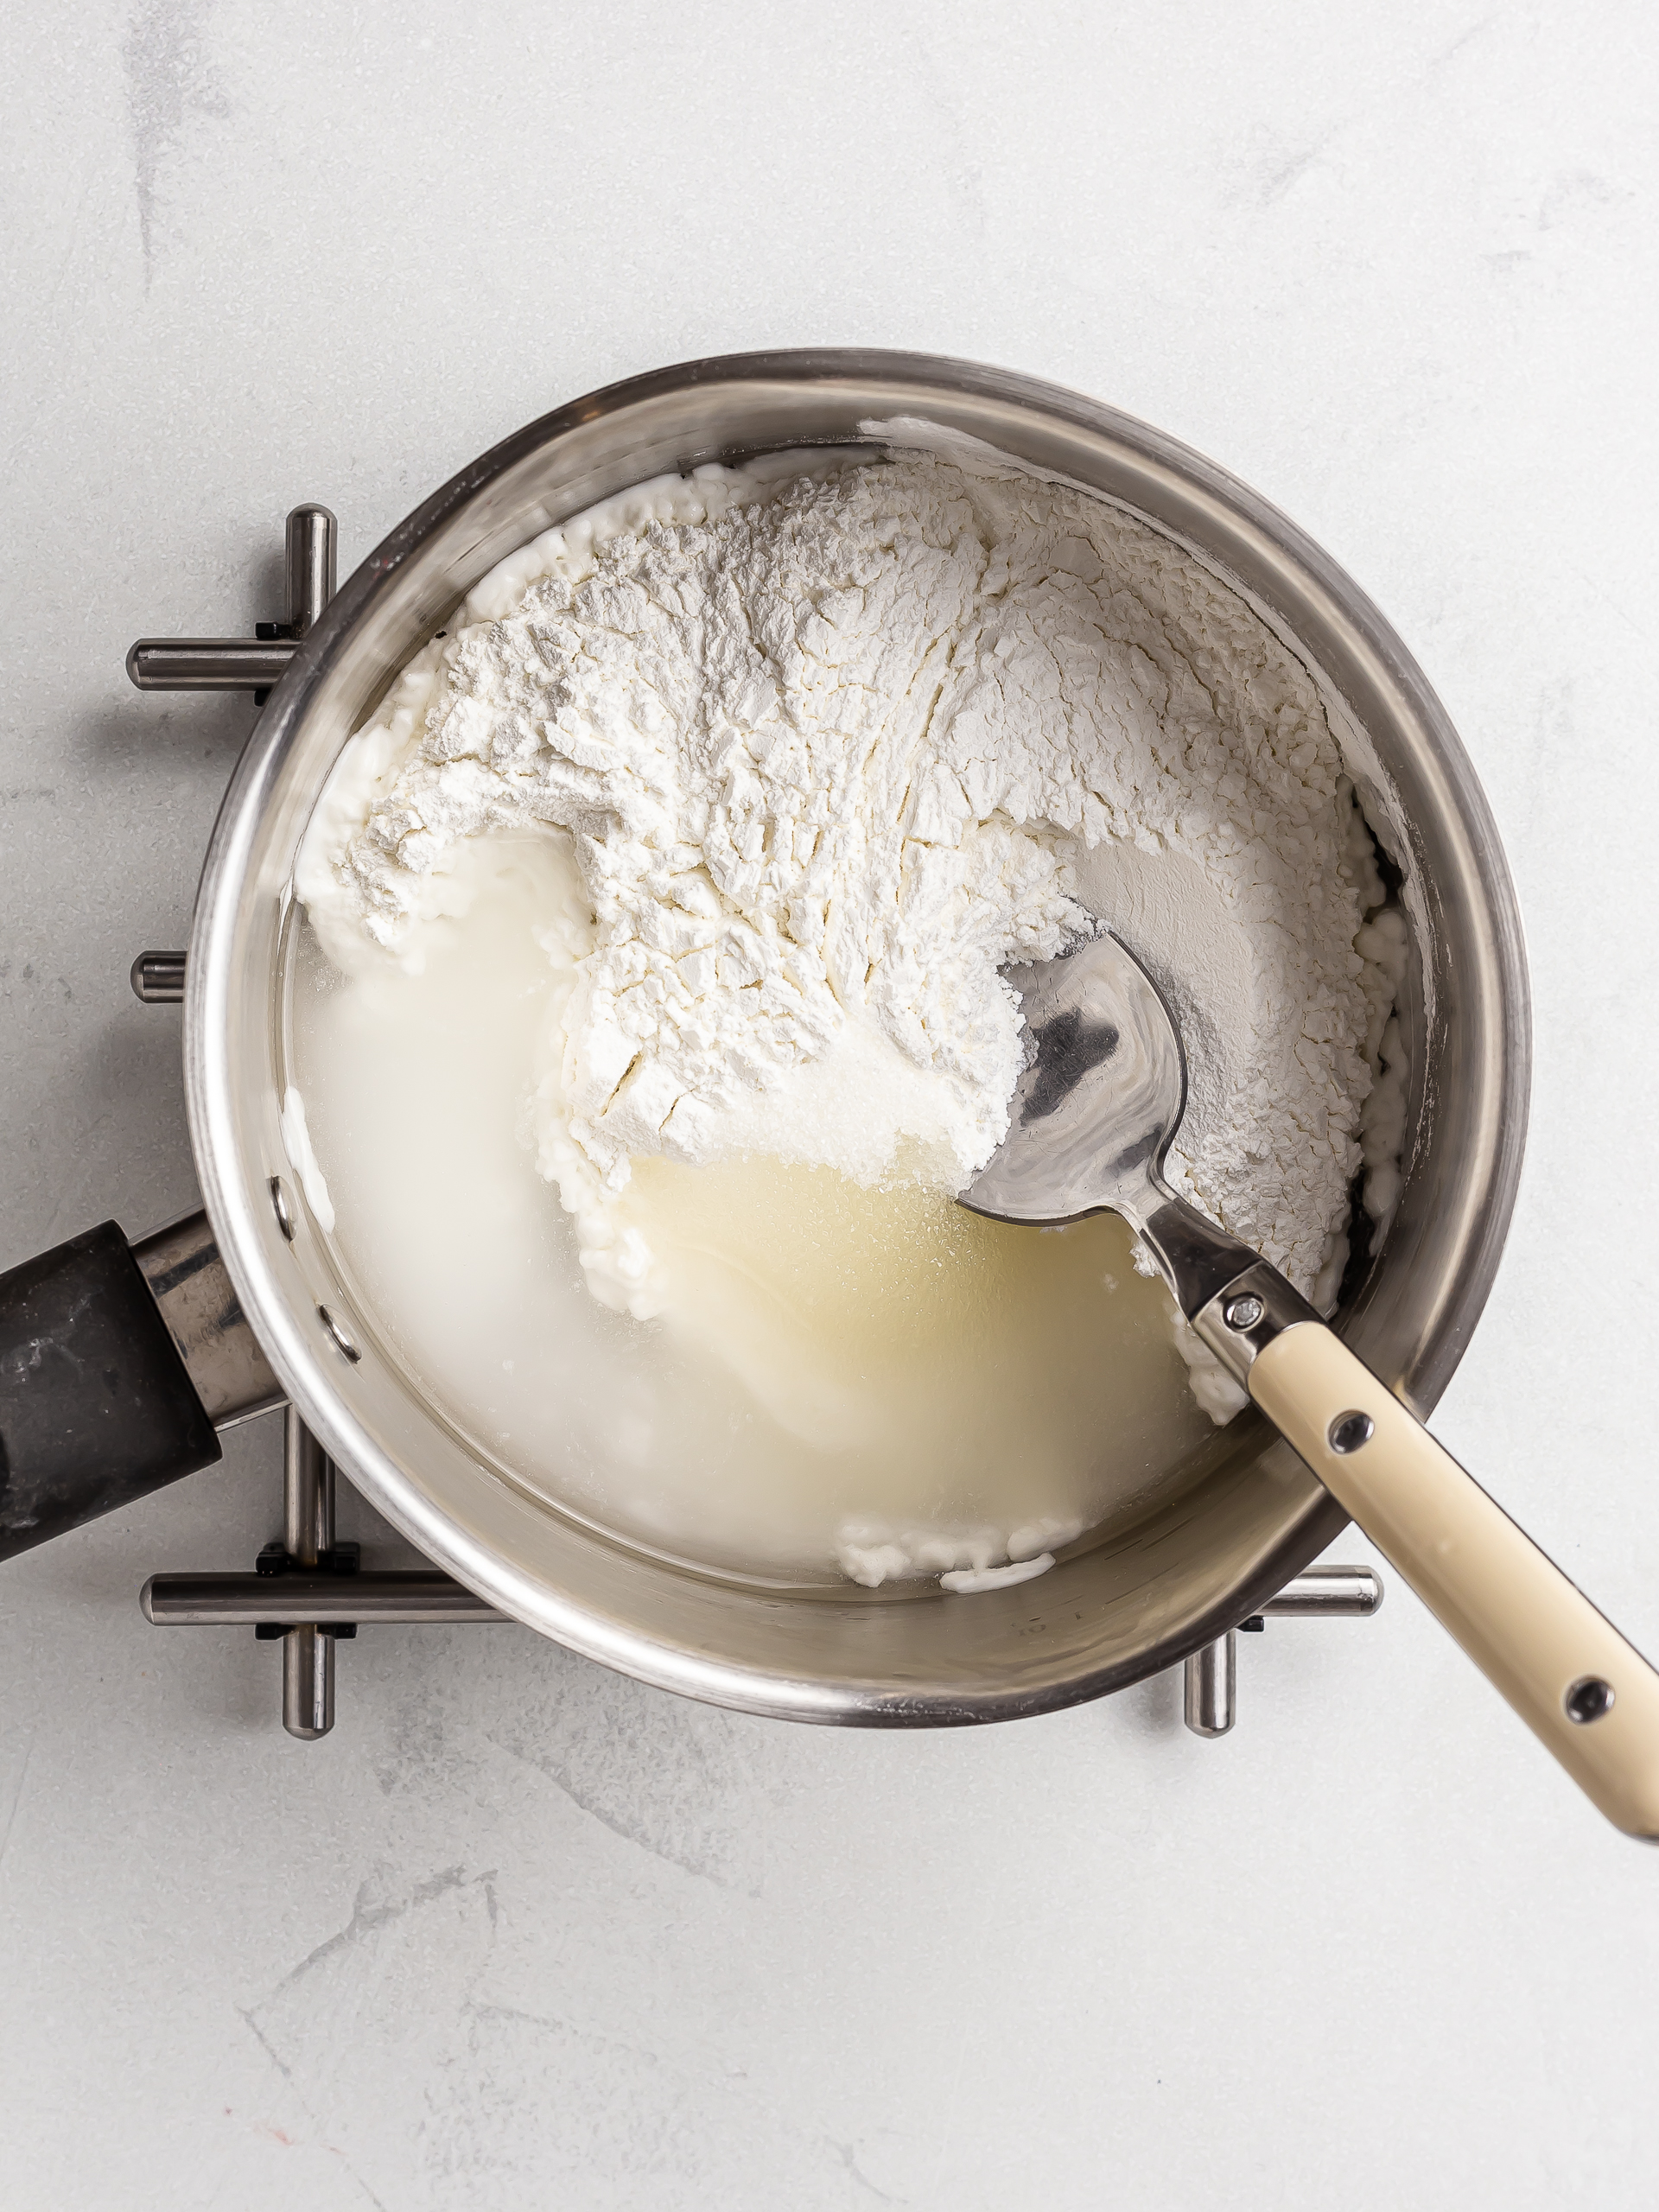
1102,1093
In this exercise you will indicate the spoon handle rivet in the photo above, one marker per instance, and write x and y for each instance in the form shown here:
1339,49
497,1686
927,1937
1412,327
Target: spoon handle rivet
1244,1312
1588,1699
1349,1431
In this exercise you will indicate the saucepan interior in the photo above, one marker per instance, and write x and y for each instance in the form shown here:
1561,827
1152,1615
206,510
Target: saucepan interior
1150,1590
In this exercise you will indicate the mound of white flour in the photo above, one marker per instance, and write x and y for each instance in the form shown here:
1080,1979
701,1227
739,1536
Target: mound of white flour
833,749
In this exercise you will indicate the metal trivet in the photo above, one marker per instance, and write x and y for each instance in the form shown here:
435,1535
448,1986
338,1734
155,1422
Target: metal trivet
308,1589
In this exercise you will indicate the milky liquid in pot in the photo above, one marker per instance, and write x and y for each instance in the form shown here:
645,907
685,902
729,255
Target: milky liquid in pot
834,1365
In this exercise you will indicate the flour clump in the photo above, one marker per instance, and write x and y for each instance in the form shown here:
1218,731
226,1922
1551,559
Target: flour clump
829,747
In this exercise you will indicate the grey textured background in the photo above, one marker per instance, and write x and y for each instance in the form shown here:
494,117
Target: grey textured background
521,1933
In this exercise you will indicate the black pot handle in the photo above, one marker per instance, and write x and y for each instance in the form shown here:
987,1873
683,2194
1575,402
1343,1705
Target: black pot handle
119,1364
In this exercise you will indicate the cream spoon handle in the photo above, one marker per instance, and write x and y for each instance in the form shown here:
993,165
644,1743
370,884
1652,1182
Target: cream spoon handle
1589,1697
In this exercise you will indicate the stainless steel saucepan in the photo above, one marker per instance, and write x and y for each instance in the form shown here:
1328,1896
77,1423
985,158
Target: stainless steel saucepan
1148,1592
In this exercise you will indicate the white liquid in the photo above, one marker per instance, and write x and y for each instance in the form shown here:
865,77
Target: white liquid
835,1365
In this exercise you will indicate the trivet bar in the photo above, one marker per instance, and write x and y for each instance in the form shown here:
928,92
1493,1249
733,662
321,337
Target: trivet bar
307,1536
1209,1686
333,1602
237,665
308,1591
1209,1678
412,1600
309,566
1329,1592
157,978
209,664
253,664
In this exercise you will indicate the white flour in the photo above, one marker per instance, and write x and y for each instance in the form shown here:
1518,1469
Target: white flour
833,749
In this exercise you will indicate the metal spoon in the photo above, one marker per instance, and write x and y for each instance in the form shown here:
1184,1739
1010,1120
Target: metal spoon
1090,1122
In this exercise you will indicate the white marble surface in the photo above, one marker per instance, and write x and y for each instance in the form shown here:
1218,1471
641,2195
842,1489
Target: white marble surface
521,1933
